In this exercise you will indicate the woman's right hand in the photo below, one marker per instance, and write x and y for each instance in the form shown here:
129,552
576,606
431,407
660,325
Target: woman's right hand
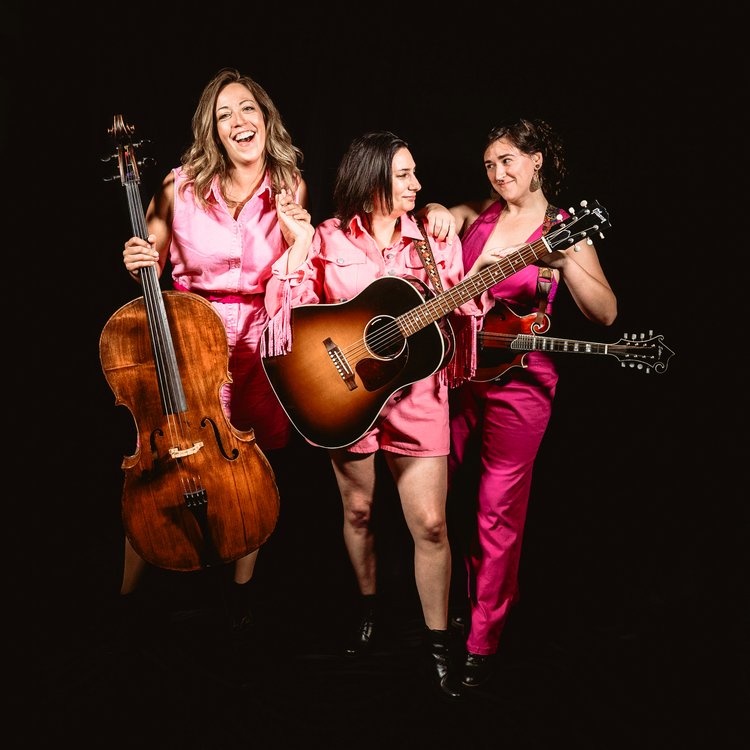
139,253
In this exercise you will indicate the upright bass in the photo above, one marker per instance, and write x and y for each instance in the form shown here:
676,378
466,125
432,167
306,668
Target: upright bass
198,492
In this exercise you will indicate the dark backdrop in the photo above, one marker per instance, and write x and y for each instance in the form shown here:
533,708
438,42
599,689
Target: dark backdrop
635,521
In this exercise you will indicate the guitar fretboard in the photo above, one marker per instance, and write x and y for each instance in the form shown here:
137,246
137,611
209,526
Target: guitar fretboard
442,304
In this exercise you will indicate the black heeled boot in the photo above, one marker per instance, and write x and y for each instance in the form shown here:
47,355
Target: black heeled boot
361,641
439,663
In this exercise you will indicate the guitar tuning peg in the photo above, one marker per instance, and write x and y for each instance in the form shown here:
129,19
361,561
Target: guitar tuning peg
601,234
650,334
571,210
105,159
559,217
111,178
643,336
589,241
584,203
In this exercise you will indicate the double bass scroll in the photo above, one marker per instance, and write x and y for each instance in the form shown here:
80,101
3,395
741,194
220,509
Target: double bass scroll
198,492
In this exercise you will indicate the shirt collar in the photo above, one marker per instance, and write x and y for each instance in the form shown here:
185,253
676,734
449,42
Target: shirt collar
409,228
265,188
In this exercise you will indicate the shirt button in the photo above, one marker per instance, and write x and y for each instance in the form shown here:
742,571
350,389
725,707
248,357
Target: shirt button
391,271
339,261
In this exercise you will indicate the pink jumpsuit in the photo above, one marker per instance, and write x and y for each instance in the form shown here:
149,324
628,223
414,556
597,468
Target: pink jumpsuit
505,420
228,262
414,422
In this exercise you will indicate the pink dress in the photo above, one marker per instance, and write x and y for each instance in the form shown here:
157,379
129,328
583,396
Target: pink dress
340,265
228,261
505,420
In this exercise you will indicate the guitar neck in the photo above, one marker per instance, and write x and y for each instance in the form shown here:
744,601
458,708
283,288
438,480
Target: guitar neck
445,303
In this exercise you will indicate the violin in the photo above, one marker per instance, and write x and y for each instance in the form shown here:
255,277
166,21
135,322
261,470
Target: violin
198,492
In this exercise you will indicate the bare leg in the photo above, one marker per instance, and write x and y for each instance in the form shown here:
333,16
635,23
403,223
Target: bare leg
133,568
355,476
422,483
244,567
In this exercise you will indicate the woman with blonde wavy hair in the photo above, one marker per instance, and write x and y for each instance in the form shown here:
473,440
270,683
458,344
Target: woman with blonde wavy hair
223,218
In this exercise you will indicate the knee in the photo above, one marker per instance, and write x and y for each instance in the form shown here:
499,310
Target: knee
433,530
357,515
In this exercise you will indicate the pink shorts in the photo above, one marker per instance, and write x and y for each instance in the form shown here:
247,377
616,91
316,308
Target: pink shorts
414,422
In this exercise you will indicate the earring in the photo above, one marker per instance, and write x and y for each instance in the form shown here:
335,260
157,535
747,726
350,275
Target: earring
536,182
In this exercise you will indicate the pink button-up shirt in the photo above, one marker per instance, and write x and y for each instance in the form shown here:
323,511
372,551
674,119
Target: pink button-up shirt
229,262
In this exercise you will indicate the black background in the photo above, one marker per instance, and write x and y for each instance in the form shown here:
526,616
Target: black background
634,562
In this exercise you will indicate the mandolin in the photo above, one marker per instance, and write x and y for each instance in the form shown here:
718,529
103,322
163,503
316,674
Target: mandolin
506,338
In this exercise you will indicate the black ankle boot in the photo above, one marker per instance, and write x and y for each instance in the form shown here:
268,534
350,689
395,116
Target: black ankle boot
241,598
477,669
439,663
362,639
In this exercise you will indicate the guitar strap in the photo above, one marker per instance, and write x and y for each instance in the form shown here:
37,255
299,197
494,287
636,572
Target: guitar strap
425,252
546,275
544,278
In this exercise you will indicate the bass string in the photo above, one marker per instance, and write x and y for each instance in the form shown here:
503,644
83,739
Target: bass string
166,370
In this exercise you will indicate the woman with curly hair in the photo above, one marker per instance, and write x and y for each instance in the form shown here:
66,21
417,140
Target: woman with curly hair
497,426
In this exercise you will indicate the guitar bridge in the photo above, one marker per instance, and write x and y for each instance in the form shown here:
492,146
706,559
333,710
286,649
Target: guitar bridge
340,363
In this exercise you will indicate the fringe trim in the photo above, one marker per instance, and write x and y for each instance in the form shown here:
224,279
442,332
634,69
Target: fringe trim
463,366
277,338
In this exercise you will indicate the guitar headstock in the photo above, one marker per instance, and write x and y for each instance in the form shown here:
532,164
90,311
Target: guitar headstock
580,225
127,162
641,352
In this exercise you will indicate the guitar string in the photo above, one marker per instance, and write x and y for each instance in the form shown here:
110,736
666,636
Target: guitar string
392,333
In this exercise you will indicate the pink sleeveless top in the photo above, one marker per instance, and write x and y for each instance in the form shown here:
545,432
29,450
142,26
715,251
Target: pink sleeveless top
518,290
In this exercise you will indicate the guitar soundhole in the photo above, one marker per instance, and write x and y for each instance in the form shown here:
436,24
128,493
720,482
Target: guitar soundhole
383,339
